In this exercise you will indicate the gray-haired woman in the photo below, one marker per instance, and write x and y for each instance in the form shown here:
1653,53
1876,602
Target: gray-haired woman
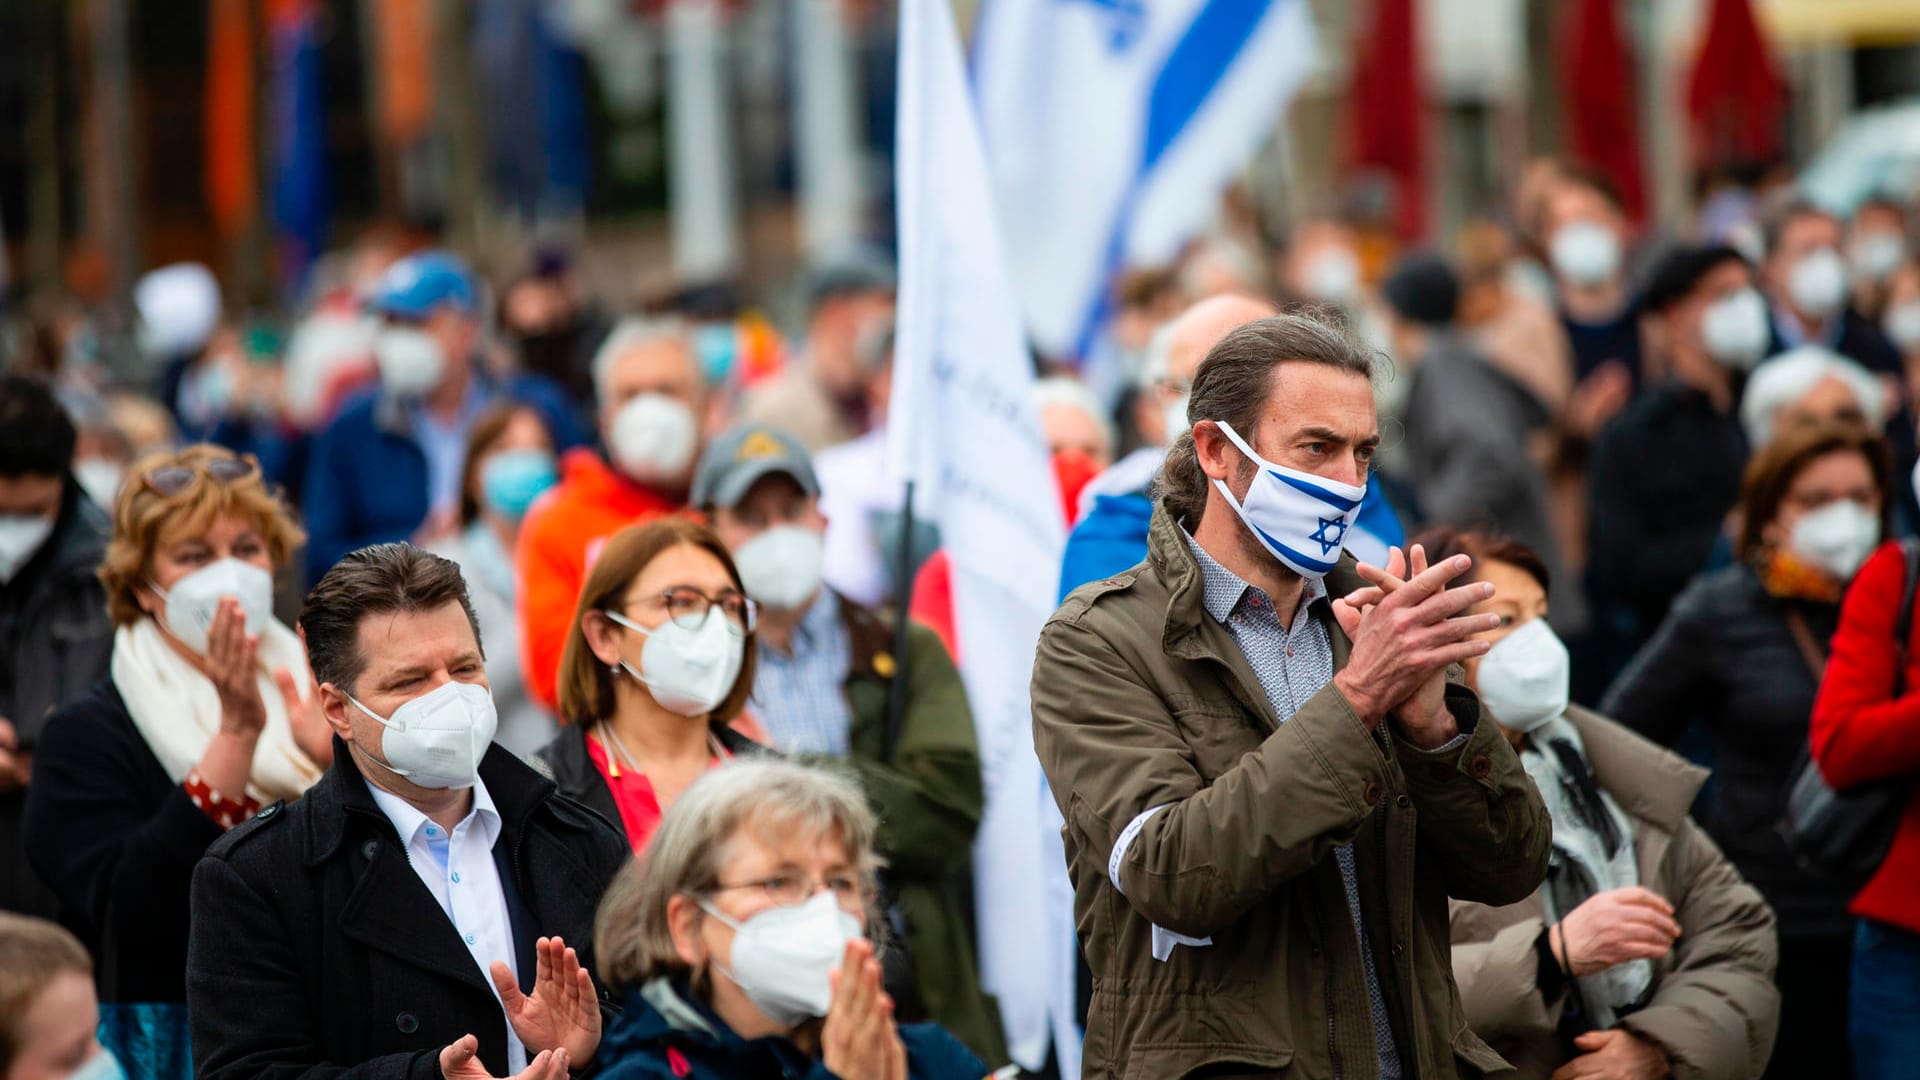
743,941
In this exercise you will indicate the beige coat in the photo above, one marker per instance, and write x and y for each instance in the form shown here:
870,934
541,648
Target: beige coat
1714,1007
1142,701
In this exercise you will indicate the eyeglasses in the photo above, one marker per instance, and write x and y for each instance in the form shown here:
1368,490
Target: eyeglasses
173,479
689,607
787,890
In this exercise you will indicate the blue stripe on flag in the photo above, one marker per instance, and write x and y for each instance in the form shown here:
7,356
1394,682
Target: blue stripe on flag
1320,566
1318,492
1193,67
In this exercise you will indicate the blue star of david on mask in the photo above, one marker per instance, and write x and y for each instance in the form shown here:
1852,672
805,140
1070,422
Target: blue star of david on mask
1331,533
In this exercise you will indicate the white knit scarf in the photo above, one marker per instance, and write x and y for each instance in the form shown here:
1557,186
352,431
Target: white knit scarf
1580,865
177,710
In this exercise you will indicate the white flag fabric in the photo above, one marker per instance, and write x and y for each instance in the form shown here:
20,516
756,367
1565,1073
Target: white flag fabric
1113,126
963,426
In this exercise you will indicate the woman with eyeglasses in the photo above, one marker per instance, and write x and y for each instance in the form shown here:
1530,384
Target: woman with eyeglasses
656,672
743,943
206,715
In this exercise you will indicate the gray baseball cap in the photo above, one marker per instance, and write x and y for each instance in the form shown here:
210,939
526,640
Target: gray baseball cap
741,457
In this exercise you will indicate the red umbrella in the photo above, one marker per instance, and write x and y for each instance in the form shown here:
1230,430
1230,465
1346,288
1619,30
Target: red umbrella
1602,121
1735,97
1387,132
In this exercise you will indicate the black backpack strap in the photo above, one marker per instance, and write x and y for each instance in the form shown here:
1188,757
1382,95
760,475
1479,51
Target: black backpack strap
1903,625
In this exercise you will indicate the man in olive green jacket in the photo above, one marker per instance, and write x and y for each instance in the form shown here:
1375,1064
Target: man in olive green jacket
1262,854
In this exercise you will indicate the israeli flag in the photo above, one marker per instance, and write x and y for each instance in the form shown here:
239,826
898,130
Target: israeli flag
1112,126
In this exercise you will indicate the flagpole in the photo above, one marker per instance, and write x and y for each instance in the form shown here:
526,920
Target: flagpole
903,596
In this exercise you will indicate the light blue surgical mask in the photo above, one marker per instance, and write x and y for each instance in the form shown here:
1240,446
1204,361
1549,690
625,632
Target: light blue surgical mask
511,480
718,346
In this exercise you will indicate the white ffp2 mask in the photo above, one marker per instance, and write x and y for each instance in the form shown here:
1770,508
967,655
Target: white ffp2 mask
783,958
653,438
1818,283
781,566
20,536
1837,537
193,600
438,739
689,672
1735,329
410,360
1301,519
1524,679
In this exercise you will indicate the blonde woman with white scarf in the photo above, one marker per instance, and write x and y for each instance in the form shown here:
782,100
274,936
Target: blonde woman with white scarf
206,717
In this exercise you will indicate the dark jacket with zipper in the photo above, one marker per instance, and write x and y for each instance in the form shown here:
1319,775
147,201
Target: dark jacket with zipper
55,638
664,1033
1142,702
317,952
1726,659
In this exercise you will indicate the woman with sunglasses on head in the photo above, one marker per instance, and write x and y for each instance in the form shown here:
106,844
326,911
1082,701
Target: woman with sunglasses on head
744,943
656,673
206,715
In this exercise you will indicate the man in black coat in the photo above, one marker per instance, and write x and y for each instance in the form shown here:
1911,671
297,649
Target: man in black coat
55,636
391,922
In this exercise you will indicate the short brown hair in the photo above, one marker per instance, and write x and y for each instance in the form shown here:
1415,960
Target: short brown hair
1772,471
32,953
489,429
384,579
1233,383
1443,542
144,519
586,686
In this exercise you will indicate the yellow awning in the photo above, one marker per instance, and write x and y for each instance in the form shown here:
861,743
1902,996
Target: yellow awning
1860,22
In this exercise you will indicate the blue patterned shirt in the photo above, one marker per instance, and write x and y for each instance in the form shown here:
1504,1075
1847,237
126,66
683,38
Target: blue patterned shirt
1293,665
799,697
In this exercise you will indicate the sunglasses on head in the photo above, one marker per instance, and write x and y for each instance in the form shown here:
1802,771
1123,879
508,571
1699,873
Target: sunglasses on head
174,479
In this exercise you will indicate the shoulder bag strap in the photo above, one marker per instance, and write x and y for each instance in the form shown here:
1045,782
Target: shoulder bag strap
1903,625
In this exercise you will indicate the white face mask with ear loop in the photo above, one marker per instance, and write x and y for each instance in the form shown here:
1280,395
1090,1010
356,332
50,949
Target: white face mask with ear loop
437,740
691,671
783,957
1300,518
1524,680
193,600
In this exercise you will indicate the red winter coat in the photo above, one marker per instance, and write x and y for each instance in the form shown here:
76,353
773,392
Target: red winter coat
1861,732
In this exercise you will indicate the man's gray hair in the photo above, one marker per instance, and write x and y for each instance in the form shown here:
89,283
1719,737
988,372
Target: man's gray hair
776,802
1234,383
1793,374
631,333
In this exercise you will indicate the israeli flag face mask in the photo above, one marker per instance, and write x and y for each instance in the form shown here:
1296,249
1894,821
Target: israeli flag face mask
1300,518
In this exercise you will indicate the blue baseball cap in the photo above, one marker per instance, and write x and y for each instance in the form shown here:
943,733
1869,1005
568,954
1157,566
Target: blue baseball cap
418,285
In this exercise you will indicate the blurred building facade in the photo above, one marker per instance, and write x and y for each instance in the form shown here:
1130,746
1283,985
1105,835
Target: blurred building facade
707,139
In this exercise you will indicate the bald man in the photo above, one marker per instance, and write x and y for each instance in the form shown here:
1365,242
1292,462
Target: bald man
1111,534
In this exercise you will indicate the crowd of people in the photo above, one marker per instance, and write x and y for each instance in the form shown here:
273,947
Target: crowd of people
486,681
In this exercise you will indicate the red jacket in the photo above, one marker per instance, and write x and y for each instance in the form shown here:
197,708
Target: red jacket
563,533
1861,732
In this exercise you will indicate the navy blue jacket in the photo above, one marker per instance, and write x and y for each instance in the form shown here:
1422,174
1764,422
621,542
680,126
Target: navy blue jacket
367,475
664,1033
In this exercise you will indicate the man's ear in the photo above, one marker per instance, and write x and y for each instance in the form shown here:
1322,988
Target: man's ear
335,706
1215,453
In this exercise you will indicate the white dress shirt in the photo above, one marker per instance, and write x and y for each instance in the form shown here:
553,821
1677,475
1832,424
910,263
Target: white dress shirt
460,873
